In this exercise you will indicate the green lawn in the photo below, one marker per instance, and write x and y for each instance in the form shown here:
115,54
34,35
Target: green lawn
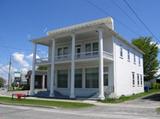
132,97
43,103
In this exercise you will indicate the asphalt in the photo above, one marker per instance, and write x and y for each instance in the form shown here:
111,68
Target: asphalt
144,108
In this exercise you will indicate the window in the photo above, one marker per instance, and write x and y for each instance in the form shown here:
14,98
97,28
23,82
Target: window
133,79
91,77
141,79
95,48
60,51
62,78
134,58
138,79
65,50
128,55
121,52
105,76
139,61
78,78
88,49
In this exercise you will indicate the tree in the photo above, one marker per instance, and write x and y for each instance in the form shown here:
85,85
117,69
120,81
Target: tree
150,58
42,68
2,81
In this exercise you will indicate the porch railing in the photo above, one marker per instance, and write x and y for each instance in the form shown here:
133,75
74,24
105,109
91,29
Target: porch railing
108,55
82,55
85,55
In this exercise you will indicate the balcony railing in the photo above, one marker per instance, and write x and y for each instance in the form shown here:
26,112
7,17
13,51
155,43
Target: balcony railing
82,55
107,55
86,55
63,57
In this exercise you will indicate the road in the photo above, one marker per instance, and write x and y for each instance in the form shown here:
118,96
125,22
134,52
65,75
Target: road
137,109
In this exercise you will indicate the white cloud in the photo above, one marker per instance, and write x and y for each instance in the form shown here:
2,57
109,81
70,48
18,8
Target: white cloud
20,58
30,56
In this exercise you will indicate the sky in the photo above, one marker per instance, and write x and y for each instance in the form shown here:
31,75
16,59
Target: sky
23,20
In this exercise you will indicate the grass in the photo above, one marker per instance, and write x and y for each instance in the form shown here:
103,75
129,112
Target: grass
132,97
158,110
43,103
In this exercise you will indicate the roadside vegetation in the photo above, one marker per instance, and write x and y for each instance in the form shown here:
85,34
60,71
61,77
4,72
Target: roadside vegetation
43,103
132,97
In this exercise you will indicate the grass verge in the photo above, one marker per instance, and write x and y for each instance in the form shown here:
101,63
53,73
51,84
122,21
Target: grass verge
158,110
132,97
43,103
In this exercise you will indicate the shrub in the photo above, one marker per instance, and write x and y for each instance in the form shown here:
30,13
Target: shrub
155,85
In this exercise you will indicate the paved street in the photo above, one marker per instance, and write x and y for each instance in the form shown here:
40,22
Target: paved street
136,109
98,112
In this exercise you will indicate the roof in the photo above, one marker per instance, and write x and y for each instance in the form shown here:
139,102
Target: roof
107,23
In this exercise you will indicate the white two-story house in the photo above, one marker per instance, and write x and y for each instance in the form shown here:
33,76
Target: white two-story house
90,60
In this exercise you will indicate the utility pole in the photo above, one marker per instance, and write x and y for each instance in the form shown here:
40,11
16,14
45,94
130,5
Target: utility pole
9,74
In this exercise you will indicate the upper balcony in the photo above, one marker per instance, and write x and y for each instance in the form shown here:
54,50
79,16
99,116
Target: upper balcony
78,57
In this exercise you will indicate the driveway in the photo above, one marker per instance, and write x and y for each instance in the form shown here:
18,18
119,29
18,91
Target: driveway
137,109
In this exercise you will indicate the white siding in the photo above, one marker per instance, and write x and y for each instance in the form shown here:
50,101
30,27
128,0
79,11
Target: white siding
124,69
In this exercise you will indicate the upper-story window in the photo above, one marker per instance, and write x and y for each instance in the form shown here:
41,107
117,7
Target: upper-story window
128,55
88,48
91,48
139,61
134,58
95,48
65,50
121,52
62,51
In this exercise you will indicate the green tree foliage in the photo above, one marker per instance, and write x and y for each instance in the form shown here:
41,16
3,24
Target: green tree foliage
44,68
2,81
150,58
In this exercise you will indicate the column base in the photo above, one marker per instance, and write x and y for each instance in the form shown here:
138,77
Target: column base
51,95
31,92
101,97
72,96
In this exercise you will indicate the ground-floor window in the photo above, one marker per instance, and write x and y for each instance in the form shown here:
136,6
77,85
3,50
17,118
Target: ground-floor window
91,77
133,79
78,78
105,76
62,78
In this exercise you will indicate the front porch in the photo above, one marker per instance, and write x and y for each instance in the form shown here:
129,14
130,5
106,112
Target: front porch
86,80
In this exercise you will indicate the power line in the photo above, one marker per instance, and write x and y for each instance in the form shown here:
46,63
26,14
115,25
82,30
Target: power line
118,6
134,12
107,13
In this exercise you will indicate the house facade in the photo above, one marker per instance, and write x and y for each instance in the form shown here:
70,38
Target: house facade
90,60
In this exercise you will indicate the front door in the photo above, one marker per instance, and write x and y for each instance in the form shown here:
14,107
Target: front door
78,51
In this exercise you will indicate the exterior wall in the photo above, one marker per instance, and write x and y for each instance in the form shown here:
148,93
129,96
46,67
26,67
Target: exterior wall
124,68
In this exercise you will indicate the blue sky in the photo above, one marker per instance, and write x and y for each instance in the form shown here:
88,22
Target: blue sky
22,20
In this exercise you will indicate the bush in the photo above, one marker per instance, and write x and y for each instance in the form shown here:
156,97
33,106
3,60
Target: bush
155,85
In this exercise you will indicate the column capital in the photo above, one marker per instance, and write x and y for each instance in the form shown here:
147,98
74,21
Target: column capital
73,35
100,30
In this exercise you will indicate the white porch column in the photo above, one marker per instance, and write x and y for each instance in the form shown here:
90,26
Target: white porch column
72,92
43,81
52,69
32,81
101,80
